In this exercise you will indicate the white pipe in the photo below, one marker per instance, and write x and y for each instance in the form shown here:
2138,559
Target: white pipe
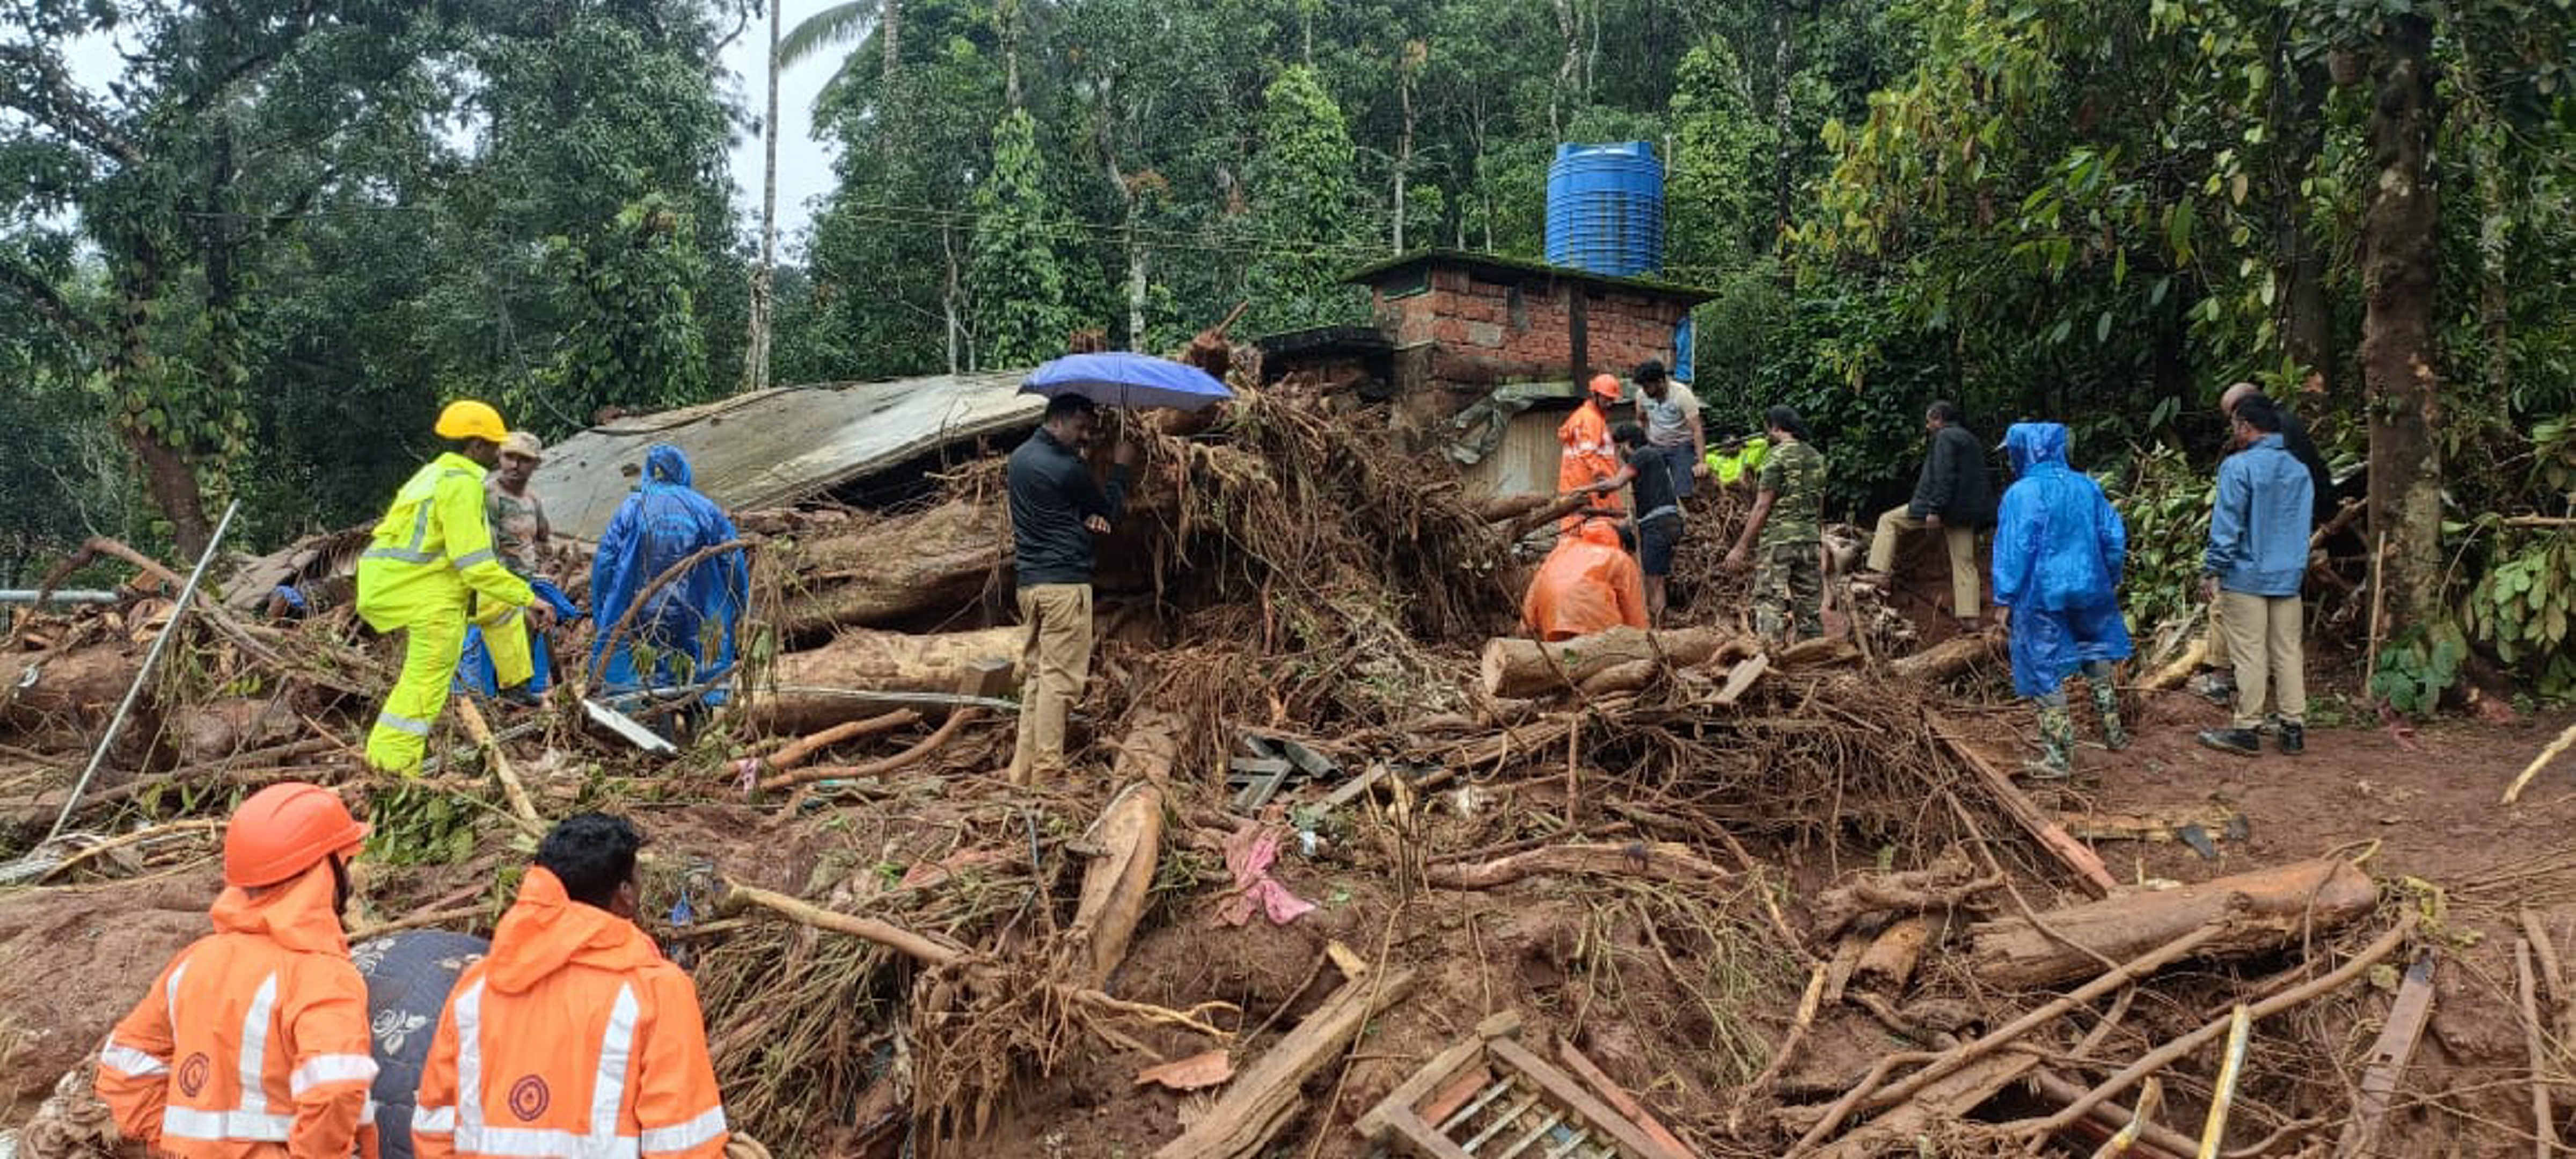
58,596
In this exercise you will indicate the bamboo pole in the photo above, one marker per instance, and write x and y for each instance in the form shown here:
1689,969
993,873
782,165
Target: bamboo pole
2544,1123
2240,1026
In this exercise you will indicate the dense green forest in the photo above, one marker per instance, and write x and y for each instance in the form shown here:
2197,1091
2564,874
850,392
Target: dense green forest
255,264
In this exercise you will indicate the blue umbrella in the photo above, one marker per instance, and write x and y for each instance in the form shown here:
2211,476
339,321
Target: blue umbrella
1128,381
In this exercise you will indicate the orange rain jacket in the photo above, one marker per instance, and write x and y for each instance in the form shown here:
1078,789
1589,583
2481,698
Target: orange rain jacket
1590,457
253,1042
573,1039
1587,585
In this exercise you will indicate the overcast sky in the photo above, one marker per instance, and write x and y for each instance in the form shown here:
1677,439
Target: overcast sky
804,165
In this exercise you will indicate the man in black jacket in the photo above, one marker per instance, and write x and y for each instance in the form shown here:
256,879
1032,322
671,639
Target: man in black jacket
1056,509
1952,495
2218,682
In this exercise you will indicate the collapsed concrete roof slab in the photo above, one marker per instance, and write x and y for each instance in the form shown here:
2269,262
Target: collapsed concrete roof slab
780,445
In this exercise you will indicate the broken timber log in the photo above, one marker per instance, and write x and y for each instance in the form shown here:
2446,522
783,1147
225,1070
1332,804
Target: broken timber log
1262,1097
1117,885
818,688
1947,658
925,564
2250,912
1516,668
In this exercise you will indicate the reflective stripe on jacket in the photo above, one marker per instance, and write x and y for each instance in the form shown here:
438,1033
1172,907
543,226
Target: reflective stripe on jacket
432,547
1590,457
253,1042
573,1040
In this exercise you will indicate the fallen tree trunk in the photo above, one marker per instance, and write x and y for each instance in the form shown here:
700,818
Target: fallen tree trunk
1262,1097
66,689
1117,885
812,689
1946,659
2251,912
926,564
1517,669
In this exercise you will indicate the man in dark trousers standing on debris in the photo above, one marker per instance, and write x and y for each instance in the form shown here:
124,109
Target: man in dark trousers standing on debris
1952,496
2258,556
1657,474
1056,509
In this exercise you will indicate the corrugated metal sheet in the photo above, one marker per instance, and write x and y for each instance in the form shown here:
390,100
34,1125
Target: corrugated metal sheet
780,445
1525,463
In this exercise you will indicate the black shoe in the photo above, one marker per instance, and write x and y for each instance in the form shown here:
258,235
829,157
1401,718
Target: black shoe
2293,739
2243,742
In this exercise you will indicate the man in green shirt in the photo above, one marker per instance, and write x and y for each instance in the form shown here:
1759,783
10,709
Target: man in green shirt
1788,525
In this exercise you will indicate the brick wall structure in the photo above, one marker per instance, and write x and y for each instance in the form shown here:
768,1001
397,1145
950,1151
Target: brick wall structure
1485,320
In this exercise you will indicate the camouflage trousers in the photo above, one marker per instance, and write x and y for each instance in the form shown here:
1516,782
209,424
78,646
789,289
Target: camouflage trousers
1788,581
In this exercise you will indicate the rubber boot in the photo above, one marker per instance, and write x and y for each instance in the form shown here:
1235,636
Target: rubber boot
2056,745
2106,700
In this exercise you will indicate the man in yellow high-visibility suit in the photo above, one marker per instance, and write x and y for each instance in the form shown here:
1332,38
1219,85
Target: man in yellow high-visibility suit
430,569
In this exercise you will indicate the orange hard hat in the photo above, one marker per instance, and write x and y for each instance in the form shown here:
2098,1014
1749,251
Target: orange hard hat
1606,385
285,829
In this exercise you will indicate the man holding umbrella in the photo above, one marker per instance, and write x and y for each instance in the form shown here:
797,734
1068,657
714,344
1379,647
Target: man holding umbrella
1056,509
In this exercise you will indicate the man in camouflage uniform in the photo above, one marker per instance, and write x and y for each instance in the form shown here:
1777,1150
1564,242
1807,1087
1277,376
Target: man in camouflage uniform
521,538
1788,525
519,528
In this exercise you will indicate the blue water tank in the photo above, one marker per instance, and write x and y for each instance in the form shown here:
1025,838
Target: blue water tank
1605,209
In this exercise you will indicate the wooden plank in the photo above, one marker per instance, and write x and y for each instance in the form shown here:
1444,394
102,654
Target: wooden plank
1350,790
1260,1100
1625,1103
2389,1058
1741,677
1423,1139
1633,1141
2075,855
1442,1067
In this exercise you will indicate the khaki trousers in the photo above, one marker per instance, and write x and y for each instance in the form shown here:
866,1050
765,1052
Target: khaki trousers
2216,655
1966,600
1055,660
2263,639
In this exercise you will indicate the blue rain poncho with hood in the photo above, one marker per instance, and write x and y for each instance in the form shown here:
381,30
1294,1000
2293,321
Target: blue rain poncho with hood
662,523
2059,549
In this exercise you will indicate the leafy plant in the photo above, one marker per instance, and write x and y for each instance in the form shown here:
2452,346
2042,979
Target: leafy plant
2522,608
2165,503
2417,667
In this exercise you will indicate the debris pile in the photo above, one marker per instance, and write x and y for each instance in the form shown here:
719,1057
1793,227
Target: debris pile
1350,864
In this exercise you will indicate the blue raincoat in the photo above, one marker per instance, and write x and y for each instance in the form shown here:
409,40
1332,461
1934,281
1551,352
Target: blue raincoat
692,617
2059,548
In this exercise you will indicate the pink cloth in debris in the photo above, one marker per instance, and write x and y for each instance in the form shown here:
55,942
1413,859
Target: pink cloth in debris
1249,853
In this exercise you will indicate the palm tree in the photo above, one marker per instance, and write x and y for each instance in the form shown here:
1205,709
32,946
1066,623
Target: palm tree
846,22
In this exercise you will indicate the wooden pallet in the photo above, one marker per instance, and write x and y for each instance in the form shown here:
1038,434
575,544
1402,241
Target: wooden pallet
1489,1097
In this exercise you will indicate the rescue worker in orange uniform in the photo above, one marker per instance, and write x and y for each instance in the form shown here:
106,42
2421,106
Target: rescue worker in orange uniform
253,1042
575,1037
1590,455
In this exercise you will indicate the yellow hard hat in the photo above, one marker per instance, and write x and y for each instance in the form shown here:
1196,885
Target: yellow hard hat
468,419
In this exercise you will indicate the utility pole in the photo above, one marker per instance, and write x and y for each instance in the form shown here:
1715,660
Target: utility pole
764,280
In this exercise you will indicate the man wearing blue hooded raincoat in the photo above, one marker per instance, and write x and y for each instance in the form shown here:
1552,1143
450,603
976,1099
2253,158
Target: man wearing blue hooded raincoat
686,628
2059,548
